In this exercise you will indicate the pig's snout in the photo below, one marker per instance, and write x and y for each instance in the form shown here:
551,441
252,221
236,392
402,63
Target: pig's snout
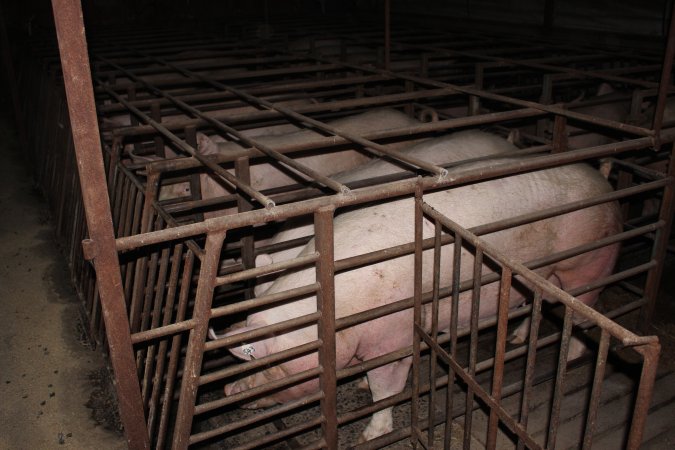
244,385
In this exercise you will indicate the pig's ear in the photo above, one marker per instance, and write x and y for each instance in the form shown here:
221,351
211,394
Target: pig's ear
205,145
604,89
264,259
248,350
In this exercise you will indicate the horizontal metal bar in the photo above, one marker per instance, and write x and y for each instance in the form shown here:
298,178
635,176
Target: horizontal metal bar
253,335
264,300
260,362
271,268
550,290
258,390
389,190
257,418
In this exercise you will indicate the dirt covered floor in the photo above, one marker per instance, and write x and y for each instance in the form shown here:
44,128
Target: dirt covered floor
54,388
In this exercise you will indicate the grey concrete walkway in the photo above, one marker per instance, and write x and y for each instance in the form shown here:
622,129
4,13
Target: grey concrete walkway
48,376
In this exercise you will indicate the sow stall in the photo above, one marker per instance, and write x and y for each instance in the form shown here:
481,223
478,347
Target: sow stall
169,274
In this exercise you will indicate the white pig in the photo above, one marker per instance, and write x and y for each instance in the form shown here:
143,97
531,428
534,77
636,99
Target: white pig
391,223
444,150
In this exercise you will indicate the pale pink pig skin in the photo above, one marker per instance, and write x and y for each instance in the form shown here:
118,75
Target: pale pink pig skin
453,148
391,223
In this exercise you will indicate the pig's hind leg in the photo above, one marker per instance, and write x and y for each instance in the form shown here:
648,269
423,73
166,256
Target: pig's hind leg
385,381
584,271
598,266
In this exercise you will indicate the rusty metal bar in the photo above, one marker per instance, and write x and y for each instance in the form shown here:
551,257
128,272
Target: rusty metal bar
325,275
199,437
259,332
417,318
337,187
498,375
369,145
258,363
389,190
558,393
535,321
195,348
268,269
285,382
326,142
454,321
594,404
79,91
194,153
473,340
434,325
650,353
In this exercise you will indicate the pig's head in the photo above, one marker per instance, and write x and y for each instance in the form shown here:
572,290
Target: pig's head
252,350
208,145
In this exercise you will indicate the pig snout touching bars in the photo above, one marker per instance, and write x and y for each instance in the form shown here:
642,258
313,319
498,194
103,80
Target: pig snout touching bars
390,224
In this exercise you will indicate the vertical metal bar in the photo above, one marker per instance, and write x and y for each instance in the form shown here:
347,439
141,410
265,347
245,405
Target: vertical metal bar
559,393
163,345
417,318
545,98
498,376
195,179
535,320
650,353
434,331
325,275
454,319
559,134
80,94
156,114
474,100
594,404
157,306
660,247
242,170
174,356
473,343
195,348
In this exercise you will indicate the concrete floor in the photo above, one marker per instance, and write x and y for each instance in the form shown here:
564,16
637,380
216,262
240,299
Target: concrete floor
51,383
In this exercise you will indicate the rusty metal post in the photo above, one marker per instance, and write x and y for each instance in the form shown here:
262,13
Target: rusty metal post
80,94
498,378
325,275
242,170
559,134
650,353
195,349
417,320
